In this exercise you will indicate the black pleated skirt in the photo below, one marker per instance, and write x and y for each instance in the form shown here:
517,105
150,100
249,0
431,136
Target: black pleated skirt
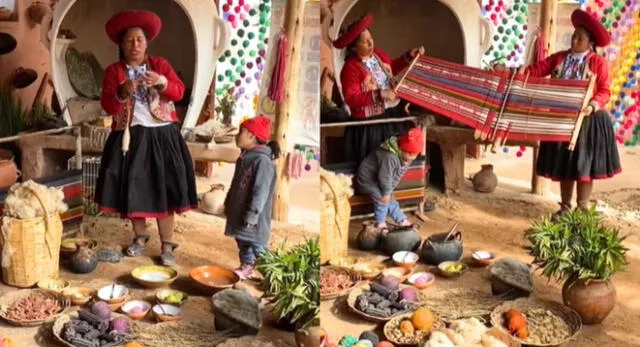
359,141
595,155
155,178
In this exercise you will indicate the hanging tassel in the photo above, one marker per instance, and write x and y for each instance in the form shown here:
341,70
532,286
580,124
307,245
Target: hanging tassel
295,165
277,85
541,47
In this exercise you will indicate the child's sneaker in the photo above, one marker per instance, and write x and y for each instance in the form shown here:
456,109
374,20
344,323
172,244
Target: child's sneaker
245,271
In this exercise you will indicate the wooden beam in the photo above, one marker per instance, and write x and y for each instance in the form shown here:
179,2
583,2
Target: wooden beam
293,27
548,25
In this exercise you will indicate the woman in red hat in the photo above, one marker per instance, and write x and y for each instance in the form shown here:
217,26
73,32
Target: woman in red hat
146,169
367,87
596,153
381,171
250,197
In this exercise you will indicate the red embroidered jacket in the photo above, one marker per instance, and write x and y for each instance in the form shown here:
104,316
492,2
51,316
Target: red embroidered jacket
363,100
595,63
115,75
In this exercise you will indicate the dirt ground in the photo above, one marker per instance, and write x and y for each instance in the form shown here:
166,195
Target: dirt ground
201,242
496,222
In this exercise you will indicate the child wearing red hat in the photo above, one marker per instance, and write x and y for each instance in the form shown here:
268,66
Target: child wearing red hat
381,171
250,197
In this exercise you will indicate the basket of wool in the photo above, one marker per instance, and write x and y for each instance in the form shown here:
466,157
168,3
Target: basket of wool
335,215
31,233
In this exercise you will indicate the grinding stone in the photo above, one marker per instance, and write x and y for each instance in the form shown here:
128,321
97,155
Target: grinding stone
514,273
236,307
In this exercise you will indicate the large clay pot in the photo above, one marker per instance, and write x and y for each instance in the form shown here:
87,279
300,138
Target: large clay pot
9,172
593,299
84,260
212,202
369,237
310,337
435,249
401,239
485,181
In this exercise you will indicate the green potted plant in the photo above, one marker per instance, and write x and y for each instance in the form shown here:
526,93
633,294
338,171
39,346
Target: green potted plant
292,282
582,251
226,104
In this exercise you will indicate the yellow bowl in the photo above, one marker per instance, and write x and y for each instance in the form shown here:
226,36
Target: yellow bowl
54,285
344,262
162,295
79,295
154,276
444,272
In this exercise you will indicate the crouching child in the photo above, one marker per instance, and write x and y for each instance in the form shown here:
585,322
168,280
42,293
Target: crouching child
381,171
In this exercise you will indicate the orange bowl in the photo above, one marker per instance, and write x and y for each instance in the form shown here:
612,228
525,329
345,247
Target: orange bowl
212,279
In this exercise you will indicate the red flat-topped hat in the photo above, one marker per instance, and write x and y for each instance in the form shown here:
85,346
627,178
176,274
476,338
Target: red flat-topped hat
580,18
353,32
147,20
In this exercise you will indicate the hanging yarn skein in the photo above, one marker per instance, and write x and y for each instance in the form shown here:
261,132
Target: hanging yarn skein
277,85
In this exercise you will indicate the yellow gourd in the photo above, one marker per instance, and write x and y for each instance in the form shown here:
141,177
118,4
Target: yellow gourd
133,344
406,327
7,342
423,319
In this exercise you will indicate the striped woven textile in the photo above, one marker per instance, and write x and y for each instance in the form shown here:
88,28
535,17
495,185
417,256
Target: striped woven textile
410,190
536,109
71,184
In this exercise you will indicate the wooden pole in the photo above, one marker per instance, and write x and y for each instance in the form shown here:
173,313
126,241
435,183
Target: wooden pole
548,26
293,26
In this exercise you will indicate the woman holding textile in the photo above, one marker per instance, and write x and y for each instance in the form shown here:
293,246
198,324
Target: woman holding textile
367,87
596,154
146,169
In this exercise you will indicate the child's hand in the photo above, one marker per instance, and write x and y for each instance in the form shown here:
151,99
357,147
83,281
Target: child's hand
385,199
249,226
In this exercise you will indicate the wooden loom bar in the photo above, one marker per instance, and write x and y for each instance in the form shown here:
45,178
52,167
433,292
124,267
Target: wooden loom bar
585,103
406,72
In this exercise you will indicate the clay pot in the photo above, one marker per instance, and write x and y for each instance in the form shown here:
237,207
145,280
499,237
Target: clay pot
485,181
310,337
9,172
593,300
401,239
436,250
212,202
84,260
369,237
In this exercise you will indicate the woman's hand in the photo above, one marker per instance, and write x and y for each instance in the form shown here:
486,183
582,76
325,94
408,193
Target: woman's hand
588,110
127,88
151,78
388,94
414,52
502,67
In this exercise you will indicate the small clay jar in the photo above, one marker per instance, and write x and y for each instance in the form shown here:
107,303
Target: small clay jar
485,181
84,260
369,237
9,172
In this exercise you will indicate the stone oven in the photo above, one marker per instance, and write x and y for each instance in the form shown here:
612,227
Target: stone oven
192,38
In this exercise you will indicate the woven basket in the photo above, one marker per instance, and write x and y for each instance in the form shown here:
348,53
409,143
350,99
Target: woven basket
334,225
355,279
97,135
570,316
352,298
58,326
418,340
7,300
30,249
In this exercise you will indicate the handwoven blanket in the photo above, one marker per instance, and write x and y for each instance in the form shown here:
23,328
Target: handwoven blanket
536,109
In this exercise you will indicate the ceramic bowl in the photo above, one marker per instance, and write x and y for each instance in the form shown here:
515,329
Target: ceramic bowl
368,271
399,272
54,285
70,245
443,267
483,258
429,278
405,259
167,313
344,262
120,293
163,294
136,309
212,279
79,295
154,276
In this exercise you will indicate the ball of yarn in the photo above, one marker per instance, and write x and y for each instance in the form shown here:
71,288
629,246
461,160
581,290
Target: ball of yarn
385,344
348,341
371,336
364,343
